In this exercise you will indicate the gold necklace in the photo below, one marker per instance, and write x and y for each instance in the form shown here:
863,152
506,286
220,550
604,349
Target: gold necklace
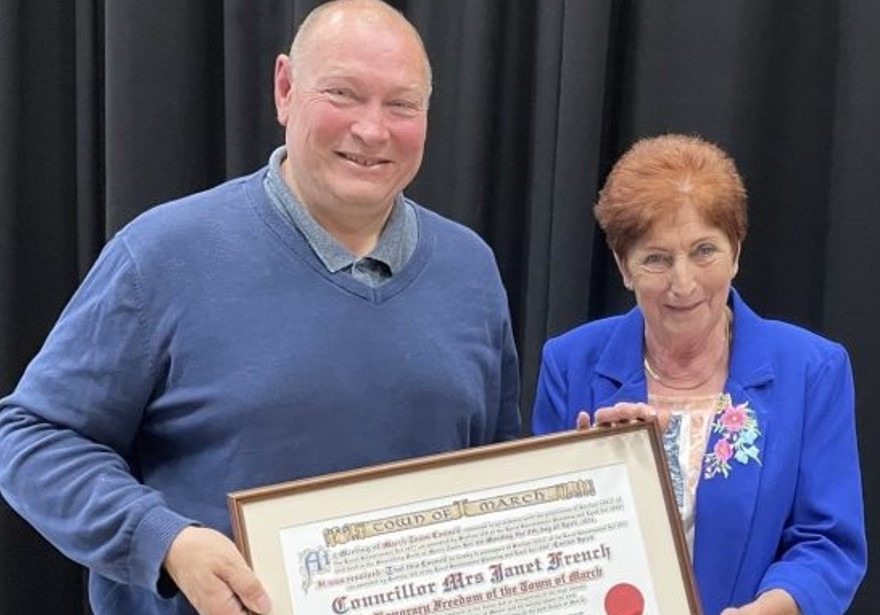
650,370
690,387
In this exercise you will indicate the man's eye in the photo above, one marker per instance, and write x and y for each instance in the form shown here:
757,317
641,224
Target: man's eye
338,92
404,107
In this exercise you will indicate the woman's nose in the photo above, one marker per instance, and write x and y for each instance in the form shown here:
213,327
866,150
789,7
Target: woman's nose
682,276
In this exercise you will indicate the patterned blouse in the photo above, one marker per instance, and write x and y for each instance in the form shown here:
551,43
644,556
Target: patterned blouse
690,422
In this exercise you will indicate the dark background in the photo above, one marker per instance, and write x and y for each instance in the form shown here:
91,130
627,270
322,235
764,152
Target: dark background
107,108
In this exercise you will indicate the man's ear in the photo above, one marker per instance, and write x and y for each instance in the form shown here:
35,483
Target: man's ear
283,85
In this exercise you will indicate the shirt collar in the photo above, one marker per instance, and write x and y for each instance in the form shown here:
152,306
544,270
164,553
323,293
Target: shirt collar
394,247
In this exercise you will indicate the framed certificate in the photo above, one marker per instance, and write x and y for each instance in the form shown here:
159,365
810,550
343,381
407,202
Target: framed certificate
574,522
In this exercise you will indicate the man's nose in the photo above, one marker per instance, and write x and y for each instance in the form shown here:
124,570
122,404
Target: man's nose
370,127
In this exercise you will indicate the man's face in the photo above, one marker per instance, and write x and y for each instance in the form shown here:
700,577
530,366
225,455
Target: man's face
355,116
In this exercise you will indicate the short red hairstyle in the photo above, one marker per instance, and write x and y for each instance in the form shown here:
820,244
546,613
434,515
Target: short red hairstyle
658,175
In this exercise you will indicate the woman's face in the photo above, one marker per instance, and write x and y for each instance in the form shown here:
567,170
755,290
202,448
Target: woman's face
680,272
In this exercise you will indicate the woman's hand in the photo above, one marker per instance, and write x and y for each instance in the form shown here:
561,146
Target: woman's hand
773,602
623,412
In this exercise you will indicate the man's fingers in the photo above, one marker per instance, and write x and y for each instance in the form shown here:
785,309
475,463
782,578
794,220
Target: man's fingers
249,590
213,575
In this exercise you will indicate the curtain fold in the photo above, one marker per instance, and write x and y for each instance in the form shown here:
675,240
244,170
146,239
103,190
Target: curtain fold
108,108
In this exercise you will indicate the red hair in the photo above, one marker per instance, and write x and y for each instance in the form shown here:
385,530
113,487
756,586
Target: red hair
657,176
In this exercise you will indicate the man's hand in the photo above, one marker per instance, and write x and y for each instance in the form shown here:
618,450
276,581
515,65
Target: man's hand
212,574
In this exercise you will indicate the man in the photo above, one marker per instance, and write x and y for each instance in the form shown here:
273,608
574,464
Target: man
302,320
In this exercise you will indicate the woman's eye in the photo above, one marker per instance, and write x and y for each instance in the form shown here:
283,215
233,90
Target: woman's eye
705,251
656,263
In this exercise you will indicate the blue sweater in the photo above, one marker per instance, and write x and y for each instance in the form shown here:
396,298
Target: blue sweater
794,521
209,350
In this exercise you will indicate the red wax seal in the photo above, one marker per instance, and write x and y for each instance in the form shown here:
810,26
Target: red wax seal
624,599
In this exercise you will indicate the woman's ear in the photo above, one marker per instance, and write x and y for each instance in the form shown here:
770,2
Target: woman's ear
621,267
736,254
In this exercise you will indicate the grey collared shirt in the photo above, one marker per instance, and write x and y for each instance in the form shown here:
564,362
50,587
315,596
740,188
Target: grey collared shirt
395,245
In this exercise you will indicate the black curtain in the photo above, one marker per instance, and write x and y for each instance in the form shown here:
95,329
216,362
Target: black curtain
109,107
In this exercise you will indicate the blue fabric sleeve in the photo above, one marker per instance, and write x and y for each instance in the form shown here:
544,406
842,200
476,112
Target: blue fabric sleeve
823,548
550,412
509,417
67,426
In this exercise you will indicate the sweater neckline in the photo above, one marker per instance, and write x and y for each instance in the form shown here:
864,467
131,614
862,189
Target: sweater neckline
293,240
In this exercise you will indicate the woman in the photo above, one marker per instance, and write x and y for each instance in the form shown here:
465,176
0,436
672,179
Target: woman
757,414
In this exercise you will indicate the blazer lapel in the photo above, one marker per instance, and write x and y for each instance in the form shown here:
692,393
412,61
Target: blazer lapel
725,506
619,373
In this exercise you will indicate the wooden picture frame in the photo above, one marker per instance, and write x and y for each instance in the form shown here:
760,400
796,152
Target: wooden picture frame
579,521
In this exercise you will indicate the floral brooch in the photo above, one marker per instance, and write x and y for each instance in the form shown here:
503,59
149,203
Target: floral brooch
738,429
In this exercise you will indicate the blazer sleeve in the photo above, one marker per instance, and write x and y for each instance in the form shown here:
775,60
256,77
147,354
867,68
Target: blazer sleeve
823,549
550,411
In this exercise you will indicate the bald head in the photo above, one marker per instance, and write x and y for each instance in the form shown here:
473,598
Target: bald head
353,99
331,17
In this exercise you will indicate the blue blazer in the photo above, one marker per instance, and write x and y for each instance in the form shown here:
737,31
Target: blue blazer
794,521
